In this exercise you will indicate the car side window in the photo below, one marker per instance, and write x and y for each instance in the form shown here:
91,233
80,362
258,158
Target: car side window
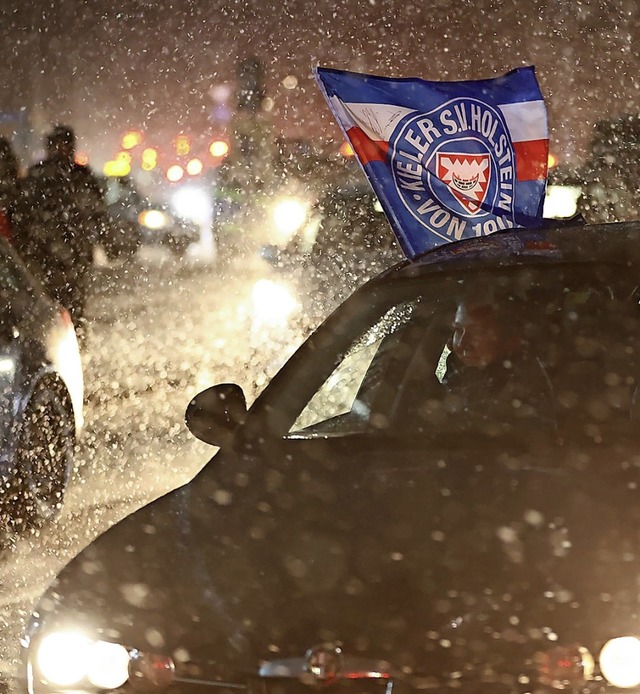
344,402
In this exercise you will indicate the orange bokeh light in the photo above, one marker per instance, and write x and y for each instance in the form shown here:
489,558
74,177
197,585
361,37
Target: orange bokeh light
82,158
149,159
183,145
552,161
347,150
131,139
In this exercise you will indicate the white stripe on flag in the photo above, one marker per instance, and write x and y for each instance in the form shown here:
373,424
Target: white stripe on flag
377,120
526,120
345,120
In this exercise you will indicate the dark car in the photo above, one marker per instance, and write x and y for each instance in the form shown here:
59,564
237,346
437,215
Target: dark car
134,221
350,216
347,236
439,491
41,394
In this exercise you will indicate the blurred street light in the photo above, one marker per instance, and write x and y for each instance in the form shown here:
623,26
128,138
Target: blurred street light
82,158
552,161
194,167
183,145
153,219
175,173
117,168
220,93
149,159
290,82
219,148
131,139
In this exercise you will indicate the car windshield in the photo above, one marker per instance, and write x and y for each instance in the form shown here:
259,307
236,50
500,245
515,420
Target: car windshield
496,352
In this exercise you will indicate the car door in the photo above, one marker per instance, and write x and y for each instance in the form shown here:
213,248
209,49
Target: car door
13,304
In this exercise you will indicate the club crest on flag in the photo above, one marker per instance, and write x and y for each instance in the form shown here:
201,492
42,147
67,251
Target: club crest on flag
467,175
453,169
447,160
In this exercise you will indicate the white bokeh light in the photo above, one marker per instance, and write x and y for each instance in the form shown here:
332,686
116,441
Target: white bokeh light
620,661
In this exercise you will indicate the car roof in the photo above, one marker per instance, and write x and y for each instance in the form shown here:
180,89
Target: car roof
613,243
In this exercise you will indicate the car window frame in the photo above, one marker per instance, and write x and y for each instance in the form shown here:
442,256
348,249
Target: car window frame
271,416
323,351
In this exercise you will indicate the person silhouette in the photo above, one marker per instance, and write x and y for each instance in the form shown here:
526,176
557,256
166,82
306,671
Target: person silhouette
494,378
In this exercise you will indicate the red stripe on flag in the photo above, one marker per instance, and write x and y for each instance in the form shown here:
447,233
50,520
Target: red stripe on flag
368,150
531,159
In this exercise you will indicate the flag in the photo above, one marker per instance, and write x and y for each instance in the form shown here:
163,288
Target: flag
447,160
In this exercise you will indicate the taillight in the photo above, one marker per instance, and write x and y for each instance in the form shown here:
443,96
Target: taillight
150,671
564,666
5,225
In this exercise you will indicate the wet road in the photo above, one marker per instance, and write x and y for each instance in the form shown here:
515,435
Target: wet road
160,332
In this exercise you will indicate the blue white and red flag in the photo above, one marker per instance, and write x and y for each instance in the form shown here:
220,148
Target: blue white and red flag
447,160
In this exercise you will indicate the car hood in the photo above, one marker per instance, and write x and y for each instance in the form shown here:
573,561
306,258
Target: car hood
431,562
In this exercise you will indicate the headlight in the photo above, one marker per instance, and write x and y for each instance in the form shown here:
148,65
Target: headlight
108,665
65,354
273,303
153,219
561,202
193,204
61,658
289,214
620,661
67,658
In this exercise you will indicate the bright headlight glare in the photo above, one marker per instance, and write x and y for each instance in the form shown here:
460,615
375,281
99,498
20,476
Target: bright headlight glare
193,204
62,658
273,303
620,661
65,659
107,665
289,215
65,353
153,219
561,202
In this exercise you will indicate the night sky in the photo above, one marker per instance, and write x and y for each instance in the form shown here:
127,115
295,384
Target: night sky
106,65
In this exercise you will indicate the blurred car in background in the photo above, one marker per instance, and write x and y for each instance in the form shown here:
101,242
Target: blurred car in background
161,227
342,230
134,221
41,394
565,194
347,219
346,238
393,513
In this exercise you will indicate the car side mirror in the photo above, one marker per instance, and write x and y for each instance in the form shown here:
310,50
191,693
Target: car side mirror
215,413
